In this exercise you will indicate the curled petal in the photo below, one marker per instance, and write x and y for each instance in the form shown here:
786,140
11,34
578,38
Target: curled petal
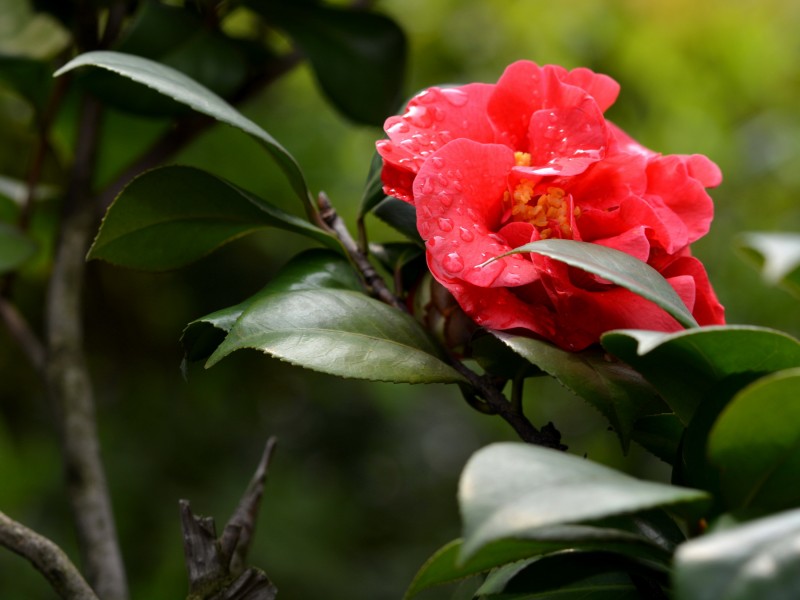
600,87
432,119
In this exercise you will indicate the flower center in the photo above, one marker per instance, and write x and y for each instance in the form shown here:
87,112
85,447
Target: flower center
548,212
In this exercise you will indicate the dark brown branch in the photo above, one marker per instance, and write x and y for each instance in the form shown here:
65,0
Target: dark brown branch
47,558
510,412
372,280
216,567
67,377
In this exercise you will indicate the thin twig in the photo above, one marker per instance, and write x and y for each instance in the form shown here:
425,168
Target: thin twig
374,282
548,436
68,382
21,332
47,558
216,566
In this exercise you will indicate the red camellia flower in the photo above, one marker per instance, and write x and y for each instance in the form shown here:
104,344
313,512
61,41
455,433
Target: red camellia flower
490,167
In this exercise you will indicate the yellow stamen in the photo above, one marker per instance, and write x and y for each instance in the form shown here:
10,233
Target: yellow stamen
548,212
523,159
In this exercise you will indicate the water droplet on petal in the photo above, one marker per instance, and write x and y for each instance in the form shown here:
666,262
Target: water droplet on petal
419,116
427,185
466,234
424,228
445,198
437,162
445,224
399,127
492,270
434,240
455,96
442,179
453,263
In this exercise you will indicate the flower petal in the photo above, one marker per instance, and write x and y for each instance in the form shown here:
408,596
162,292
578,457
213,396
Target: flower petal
459,198
431,119
569,133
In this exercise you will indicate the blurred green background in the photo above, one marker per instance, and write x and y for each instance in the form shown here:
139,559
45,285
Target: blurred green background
362,489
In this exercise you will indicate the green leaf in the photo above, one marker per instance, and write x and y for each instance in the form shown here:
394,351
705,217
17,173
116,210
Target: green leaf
358,57
777,254
690,367
399,215
755,561
568,576
341,333
756,444
445,567
659,435
309,270
178,86
508,490
617,267
612,387
171,216
15,248
373,188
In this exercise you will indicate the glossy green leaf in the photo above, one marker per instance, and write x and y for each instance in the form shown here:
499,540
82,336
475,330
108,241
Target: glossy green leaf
309,270
185,90
445,567
358,56
342,333
508,490
617,267
777,254
373,188
659,435
15,248
568,576
612,387
399,215
171,216
755,561
756,444
690,367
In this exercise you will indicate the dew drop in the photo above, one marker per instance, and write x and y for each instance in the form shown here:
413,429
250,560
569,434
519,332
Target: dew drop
446,199
437,162
427,185
453,263
432,242
466,234
424,228
419,116
492,270
410,145
428,96
399,127
445,224
455,96
442,179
